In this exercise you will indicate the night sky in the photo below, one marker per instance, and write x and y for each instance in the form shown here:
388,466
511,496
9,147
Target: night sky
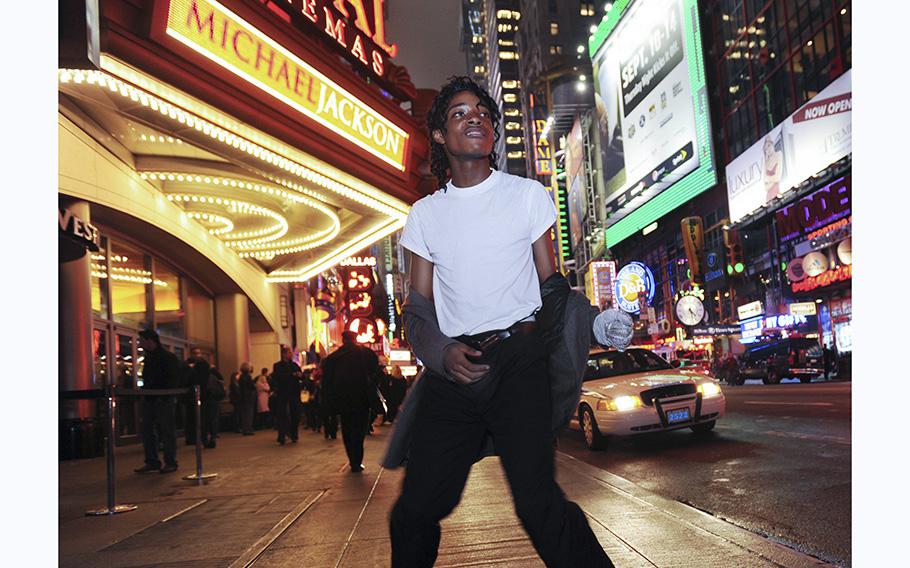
427,34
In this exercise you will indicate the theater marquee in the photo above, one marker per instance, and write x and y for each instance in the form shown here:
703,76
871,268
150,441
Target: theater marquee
215,32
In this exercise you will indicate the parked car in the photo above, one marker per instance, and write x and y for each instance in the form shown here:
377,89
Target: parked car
635,392
771,361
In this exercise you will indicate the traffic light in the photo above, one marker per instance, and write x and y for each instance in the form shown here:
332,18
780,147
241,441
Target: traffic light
736,265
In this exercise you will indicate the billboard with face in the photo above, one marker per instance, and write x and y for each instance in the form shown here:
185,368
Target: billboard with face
809,140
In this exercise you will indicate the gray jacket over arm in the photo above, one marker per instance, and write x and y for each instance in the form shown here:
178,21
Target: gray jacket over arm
565,321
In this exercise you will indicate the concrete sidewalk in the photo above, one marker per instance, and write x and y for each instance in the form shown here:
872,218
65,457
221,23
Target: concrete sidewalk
297,505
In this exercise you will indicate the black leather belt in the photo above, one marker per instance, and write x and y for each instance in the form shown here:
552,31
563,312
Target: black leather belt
487,339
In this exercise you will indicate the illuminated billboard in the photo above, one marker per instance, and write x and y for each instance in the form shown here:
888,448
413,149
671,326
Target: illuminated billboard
652,111
213,31
575,185
818,134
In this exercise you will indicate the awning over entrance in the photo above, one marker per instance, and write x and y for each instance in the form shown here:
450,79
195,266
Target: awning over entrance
291,214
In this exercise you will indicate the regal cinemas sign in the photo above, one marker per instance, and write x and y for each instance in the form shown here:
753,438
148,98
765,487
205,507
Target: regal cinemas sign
212,30
347,24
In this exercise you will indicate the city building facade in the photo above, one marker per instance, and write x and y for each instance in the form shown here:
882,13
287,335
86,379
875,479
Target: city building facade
701,227
490,28
217,160
783,102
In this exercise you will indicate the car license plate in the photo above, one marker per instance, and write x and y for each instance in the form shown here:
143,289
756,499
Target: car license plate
677,415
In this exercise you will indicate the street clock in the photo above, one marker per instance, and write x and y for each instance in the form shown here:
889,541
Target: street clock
690,310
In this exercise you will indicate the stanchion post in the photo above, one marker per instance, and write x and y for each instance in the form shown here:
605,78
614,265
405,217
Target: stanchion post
112,507
199,477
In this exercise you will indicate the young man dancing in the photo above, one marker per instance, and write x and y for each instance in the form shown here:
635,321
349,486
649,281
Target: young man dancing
479,249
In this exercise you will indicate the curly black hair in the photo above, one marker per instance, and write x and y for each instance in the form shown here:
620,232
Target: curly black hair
436,120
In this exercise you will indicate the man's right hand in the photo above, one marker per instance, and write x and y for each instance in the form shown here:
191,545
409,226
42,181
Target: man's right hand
458,365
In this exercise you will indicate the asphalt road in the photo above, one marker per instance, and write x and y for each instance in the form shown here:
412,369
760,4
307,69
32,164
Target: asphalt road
777,464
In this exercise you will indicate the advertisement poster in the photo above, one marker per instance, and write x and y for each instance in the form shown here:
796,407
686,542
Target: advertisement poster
599,283
754,178
821,131
578,203
809,140
647,109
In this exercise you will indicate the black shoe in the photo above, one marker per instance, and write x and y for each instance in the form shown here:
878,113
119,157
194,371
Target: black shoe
209,445
248,433
147,468
168,468
294,440
281,441
357,468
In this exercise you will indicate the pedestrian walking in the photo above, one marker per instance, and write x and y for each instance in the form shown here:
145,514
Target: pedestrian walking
160,370
262,398
286,376
398,388
310,392
248,399
383,382
351,372
487,362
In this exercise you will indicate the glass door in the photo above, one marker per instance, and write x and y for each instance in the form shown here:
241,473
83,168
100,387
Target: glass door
99,356
127,375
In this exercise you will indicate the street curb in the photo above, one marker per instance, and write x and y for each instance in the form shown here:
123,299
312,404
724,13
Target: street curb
688,515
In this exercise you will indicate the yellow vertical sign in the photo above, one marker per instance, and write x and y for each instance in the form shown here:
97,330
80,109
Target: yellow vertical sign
215,32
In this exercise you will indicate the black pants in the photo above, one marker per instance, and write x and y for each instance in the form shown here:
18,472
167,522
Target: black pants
236,415
210,412
159,416
288,416
330,423
513,404
353,432
247,412
313,416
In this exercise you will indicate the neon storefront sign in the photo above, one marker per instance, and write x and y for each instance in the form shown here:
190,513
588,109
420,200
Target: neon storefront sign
751,329
826,278
361,42
785,321
359,261
633,280
213,31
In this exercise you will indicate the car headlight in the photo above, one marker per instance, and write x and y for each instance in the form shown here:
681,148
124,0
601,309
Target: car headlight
709,389
619,403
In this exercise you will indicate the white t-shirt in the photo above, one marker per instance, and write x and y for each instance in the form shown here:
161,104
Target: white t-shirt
479,239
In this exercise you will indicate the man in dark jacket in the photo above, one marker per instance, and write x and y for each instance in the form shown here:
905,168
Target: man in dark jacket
198,375
160,370
286,377
398,388
348,379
